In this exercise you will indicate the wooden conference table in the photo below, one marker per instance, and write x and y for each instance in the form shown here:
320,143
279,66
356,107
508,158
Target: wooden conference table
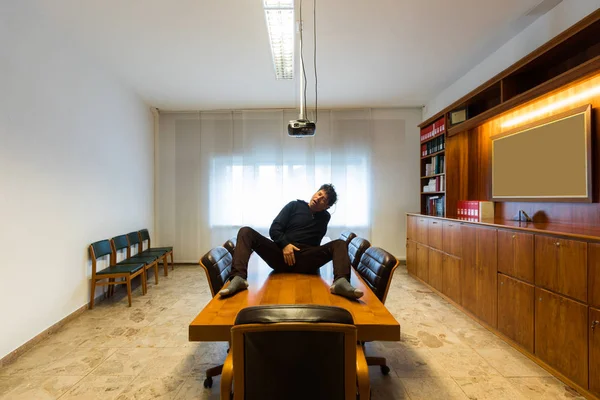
373,321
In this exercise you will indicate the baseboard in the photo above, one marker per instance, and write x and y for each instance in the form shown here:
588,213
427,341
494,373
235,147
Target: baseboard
13,355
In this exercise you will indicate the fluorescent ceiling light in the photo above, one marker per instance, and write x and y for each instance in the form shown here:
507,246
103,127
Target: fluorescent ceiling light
280,22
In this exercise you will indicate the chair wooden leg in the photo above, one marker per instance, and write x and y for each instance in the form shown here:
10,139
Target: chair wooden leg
129,290
166,265
172,262
144,285
93,294
156,272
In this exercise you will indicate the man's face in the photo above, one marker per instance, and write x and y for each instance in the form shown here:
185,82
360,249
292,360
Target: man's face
319,201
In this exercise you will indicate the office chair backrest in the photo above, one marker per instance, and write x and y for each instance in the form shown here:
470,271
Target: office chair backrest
230,245
100,249
294,352
356,248
347,236
376,267
217,265
134,239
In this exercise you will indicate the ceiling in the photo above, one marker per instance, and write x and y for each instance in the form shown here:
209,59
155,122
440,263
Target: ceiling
214,54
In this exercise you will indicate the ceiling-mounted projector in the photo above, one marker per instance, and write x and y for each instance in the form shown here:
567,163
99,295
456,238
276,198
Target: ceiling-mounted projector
301,128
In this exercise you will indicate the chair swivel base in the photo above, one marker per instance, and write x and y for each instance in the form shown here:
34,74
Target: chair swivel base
379,361
214,371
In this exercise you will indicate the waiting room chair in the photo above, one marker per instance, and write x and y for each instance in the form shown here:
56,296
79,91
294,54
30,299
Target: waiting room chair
347,236
121,242
230,245
356,248
376,268
134,240
217,265
127,272
294,352
145,236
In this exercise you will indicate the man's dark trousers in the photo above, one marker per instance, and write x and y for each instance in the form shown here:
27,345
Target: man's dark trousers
308,259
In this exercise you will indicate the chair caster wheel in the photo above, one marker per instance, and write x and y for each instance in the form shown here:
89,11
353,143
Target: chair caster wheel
385,369
208,382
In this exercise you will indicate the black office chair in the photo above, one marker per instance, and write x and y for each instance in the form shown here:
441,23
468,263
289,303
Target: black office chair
356,248
230,245
295,352
347,236
217,265
376,268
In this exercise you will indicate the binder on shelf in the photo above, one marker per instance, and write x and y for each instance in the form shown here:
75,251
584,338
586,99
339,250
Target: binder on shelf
438,128
475,210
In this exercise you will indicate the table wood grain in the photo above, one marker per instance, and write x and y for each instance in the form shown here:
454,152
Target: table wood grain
372,319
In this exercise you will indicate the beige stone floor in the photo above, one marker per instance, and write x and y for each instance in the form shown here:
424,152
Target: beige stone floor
142,352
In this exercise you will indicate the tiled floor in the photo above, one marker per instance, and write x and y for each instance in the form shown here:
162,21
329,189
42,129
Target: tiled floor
142,352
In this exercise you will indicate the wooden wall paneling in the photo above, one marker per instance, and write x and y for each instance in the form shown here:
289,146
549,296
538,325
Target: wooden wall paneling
457,169
516,254
422,262
561,335
411,257
515,310
594,274
487,275
451,284
469,268
594,350
436,274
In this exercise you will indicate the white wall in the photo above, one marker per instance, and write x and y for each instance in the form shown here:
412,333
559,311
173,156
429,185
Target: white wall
76,166
561,17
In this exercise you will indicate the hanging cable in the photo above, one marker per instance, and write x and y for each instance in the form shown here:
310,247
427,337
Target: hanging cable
302,58
315,58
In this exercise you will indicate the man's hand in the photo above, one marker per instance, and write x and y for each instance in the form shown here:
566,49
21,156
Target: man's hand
288,254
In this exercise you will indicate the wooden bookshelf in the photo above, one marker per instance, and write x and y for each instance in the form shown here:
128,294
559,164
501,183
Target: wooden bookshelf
433,174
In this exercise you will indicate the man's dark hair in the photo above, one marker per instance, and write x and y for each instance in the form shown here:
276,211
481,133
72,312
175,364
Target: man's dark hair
330,192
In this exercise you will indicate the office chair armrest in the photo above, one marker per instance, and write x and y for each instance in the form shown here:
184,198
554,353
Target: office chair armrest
227,377
362,374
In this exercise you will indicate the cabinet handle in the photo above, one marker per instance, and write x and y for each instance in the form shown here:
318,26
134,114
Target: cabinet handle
434,222
540,299
450,224
594,324
557,243
514,236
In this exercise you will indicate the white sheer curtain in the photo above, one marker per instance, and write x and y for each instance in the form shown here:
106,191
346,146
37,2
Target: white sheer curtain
218,171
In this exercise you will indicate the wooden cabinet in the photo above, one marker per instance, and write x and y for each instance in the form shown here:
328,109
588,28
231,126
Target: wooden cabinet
422,262
561,334
594,350
468,268
411,257
594,274
561,266
451,281
515,254
487,275
411,227
435,269
515,310
422,225
434,233
451,238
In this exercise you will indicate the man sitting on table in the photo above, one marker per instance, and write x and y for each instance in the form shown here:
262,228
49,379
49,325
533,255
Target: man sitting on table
296,235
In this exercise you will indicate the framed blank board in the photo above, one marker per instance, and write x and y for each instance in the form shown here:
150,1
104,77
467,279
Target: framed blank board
549,160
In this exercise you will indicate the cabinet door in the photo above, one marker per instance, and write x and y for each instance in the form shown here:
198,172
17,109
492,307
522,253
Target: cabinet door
561,266
561,328
411,227
434,238
594,334
451,237
423,262
451,281
411,257
515,310
515,254
487,275
436,275
422,224
594,274
468,268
